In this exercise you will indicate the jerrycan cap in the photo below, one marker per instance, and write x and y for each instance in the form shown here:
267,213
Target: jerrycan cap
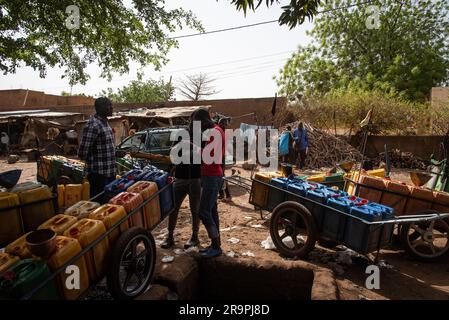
169,179
74,232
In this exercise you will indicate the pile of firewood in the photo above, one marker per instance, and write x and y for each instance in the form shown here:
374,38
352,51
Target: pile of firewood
326,150
399,159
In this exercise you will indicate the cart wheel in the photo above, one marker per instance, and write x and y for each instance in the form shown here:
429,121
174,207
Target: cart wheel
293,230
64,180
132,264
426,241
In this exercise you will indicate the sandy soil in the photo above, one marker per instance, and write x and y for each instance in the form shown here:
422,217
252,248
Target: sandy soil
403,278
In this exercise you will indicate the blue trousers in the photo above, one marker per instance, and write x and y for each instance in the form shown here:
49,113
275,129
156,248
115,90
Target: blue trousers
208,204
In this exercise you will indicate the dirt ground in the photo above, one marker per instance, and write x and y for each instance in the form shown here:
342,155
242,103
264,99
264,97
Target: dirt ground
401,278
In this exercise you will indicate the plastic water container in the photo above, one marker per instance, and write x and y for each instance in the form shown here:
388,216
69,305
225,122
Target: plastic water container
23,277
60,189
361,236
151,210
7,261
317,177
86,190
135,175
59,223
320,195
398,199
374,195
387,214
25,186
66,249
110,214
422,200
82,209
259,191
117,186
87,231
334,222
73,194
10,225
441,202
166,196
19,247
275,196
34,215
130,201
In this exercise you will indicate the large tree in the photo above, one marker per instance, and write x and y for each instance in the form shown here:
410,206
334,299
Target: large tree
406,52
110,33
293,13
140,91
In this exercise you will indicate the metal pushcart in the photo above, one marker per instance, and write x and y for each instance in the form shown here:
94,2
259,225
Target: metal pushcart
297,223
131,260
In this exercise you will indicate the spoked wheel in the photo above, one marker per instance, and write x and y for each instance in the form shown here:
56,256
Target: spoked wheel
426,241
293,229
132,264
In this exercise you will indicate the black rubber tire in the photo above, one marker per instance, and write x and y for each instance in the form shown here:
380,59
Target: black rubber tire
121,244
309,224
408,248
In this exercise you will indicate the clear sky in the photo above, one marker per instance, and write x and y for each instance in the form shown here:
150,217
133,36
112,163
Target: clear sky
263,50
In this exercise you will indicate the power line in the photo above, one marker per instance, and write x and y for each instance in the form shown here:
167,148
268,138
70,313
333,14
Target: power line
264,22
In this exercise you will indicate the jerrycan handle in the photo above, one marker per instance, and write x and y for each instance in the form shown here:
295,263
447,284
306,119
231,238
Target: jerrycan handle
24,268
60,220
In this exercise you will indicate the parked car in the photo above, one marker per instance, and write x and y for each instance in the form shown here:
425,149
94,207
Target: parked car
153,140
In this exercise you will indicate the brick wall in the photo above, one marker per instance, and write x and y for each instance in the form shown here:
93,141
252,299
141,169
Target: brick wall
21,98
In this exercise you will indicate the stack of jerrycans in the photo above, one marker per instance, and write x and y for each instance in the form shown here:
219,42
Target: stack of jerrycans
152,210
363,237
165,197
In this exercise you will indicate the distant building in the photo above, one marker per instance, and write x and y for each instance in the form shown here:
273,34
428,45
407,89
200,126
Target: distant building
23,99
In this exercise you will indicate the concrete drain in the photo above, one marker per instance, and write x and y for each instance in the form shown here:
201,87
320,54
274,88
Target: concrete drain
191,277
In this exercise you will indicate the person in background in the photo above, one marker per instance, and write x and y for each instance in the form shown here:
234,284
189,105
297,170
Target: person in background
97,148
187,182
211,182
301,145
4,143
286,144
224,193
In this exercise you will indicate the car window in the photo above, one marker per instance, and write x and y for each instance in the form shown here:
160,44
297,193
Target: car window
160,140
135,142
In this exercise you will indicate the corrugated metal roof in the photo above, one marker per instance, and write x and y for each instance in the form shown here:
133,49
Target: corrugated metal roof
35,114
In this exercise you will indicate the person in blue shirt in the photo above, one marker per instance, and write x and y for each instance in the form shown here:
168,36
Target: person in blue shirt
286,144
301,145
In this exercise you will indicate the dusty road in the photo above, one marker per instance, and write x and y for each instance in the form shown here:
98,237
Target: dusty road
402,279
